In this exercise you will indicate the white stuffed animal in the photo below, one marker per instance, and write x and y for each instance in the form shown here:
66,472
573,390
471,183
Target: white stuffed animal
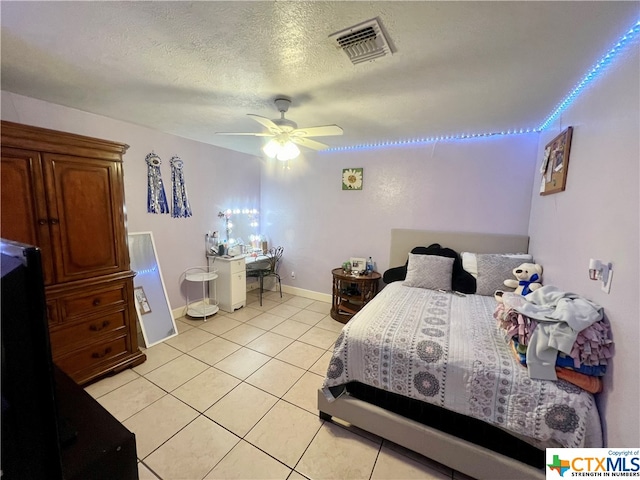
529,279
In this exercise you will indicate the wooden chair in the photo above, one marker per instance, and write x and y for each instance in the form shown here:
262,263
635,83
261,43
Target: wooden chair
267,268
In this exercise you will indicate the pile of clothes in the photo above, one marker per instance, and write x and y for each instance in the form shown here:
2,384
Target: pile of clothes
557,335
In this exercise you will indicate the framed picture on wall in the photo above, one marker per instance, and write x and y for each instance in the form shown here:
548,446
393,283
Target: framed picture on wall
555,163
352,178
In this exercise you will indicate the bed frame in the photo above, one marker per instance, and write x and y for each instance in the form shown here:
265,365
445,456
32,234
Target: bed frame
463,456
403,240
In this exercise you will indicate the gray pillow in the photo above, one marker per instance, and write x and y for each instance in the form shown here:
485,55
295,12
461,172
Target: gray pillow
429,271
493,270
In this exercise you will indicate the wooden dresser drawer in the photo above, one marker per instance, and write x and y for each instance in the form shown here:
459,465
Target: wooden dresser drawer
84,303
77,363
89,331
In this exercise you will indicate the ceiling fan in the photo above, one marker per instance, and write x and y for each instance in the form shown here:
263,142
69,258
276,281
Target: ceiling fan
285,133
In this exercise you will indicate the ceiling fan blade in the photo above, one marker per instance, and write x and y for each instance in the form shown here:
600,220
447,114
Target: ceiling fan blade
305,142
322,131
246,133
273,128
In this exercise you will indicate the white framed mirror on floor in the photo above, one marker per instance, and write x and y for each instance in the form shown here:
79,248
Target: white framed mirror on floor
150,295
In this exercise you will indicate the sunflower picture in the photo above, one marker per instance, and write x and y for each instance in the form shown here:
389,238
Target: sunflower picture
352,179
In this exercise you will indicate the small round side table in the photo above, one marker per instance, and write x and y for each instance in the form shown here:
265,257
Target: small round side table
351,293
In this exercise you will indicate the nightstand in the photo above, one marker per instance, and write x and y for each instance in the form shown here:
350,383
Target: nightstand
351,293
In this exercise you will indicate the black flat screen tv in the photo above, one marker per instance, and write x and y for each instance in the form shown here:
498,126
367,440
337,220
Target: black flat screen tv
30,425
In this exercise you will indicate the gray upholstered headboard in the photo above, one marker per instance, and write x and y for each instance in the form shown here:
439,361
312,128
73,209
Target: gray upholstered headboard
403,240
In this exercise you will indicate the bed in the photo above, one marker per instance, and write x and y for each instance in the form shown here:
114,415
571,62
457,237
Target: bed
431,371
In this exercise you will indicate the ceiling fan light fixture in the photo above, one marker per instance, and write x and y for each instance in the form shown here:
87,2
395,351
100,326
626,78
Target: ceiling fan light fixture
288,151
285,134
281,149
271,148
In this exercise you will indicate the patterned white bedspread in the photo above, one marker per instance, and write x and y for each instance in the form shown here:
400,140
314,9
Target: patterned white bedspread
448,351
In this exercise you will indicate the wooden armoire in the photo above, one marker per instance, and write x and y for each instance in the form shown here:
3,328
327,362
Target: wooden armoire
65,194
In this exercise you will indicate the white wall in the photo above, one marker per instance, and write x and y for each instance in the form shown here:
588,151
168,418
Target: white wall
215,178
479,185
597,216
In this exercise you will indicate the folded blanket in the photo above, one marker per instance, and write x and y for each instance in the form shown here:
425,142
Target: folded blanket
591,384
561,316
592,346
563,362
515,324
585,382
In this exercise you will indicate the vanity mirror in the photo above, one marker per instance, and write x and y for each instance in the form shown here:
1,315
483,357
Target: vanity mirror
239,224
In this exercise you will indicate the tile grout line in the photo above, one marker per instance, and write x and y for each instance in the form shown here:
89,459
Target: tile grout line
150,469
241,381
279,398
373,468
309,444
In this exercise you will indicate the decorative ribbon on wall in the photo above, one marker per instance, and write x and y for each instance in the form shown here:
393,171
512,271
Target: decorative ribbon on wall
181,206
156,198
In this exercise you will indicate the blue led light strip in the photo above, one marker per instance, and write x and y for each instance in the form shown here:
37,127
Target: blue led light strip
595,71
422,141
146,270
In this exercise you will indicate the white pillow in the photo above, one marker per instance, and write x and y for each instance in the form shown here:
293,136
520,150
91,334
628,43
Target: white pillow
470,261
429,271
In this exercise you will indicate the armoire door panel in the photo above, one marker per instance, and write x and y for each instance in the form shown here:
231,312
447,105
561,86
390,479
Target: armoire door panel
24,212
83,201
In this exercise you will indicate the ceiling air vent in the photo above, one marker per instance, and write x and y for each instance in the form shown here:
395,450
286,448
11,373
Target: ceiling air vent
362,42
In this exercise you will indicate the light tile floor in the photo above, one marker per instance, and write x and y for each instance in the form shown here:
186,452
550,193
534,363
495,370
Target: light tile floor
235,398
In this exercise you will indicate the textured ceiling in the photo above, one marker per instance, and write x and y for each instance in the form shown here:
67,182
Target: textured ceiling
193,69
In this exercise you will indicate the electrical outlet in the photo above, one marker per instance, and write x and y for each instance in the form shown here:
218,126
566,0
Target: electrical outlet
293,274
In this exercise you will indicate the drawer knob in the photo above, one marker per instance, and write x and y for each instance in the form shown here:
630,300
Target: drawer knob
100,355
96,328
96,302
42,221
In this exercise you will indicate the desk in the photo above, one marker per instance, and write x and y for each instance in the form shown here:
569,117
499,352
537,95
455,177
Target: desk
351,293
248,259
231,287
